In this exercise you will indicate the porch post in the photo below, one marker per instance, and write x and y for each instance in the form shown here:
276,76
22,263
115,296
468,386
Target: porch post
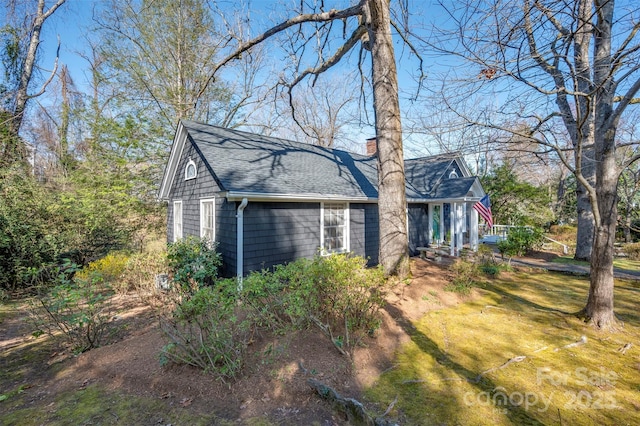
459,227
430,225
452,229
473,232
441,227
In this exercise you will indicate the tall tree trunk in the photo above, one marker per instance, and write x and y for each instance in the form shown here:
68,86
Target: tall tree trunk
627,226
64,157
19,150
586,224
392,205
583,139
599,308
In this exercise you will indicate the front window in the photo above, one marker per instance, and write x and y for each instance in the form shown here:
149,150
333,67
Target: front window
335,228
207,220
177,220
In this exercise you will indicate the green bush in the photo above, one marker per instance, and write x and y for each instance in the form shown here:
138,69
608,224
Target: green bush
487,262
206,332
520,240
29,237
209,328
282,298
348,293
336,292
75,309
193,262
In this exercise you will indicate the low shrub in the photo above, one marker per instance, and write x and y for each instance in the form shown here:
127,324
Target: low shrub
209,325
110,268
348,292
520,240
140,272
337,292
488,263
205,331
490,270
193,262
464,277
632,251
280,299
75,309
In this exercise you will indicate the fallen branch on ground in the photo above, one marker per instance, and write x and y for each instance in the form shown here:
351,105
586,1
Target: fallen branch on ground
518,358
327,331
582,341
625,348
353,409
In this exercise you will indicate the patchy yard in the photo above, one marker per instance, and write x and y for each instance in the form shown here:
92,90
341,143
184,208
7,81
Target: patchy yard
510,353
516,355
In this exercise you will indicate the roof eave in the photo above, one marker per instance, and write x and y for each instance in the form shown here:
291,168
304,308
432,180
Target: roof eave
443,200
262,196
174,157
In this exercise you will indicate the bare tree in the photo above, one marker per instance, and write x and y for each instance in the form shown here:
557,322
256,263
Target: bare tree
570,70
23,58
318,114
366,24
160,54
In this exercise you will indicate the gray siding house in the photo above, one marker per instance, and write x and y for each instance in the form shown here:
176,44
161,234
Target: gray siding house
268,201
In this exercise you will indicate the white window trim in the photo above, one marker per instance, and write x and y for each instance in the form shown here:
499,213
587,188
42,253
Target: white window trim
347,231
202,217
186,170
453,174
177,206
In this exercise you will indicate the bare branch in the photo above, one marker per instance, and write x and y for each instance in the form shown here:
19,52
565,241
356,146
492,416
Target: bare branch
297,20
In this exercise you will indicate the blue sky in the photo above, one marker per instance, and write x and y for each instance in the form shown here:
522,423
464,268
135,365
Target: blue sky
73,22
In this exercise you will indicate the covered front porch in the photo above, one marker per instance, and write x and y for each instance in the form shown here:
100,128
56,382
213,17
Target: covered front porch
450,225
440,210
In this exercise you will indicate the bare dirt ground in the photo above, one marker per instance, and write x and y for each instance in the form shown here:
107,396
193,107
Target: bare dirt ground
273,384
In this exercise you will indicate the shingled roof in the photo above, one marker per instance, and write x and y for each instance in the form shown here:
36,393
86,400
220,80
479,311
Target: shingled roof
247,163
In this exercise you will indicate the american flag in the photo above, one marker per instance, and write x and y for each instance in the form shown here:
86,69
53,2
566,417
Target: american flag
483,207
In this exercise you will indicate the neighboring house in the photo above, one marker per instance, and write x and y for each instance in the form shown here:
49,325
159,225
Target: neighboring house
268,201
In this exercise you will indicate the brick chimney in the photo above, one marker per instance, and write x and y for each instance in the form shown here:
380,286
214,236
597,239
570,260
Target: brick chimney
372,148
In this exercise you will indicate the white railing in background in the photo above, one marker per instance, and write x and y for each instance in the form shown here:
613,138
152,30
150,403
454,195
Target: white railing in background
503,230
565,249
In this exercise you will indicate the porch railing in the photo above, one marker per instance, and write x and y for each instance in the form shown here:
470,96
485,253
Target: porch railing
502,231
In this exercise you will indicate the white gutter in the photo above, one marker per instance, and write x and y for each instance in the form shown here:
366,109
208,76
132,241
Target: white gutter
259,196
240,242
443,200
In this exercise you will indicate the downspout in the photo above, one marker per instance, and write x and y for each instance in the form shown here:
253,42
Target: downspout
240,242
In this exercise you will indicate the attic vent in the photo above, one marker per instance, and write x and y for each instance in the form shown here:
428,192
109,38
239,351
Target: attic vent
453,175
190,172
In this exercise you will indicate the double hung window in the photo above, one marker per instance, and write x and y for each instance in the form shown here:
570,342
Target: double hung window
335,227
177,220
208,220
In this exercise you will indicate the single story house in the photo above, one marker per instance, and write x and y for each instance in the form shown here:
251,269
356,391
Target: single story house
268,201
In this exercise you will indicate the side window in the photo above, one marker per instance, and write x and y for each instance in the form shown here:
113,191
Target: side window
208,219
177,220
335,227
190,172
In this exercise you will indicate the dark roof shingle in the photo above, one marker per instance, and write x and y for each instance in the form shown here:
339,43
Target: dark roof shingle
249,163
